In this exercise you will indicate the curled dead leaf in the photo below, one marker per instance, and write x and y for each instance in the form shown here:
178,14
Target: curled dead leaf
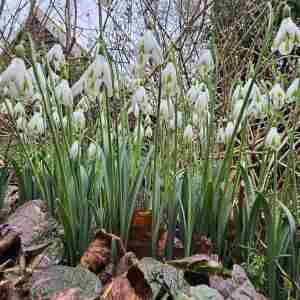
98,254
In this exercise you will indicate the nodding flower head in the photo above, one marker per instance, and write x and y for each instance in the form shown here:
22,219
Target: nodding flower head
273,139
64,93
169,79
56,57
206,62
287,37
293,92
152,49
277,96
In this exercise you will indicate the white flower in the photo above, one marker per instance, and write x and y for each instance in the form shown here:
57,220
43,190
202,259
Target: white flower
206,62
56,56
169,79
220,135
188,132
139,101
152,48
36,125
201,104
229,130
78,119
138,133
16,73
21,123
97,74
148,132
148,120
193,93
74,150
64,93
83,104
288,36
273,138
19,109
293,92
277,95
166,109
92,150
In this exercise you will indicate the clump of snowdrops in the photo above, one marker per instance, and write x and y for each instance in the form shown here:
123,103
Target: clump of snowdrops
193,169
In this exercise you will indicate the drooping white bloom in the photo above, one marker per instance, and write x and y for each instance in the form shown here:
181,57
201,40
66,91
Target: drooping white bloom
36,125
169,79
193,93
74,151
277,95
64,93
273,138
220,135
16,73
229,130
78,119
139,133
287,37
140,101
151,48
201,104
92,150
56,56
21,123
293,92
19,109
97,74
148,132
206,62
148,120
166,109
188,132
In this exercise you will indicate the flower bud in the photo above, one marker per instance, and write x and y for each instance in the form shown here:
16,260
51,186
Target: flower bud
273,138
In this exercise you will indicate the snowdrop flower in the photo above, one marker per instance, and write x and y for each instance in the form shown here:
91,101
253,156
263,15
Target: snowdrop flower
56,56
21,123
229,131
138,133
293,92
151,48
288,36
220,135
16,72
148,120
92,150
188,132
277,95
97,74
273,138
78,119
148,132
201,104
19,109
169,79
140,101
206,62
36,125
74,151
64,93
166,110
193,93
